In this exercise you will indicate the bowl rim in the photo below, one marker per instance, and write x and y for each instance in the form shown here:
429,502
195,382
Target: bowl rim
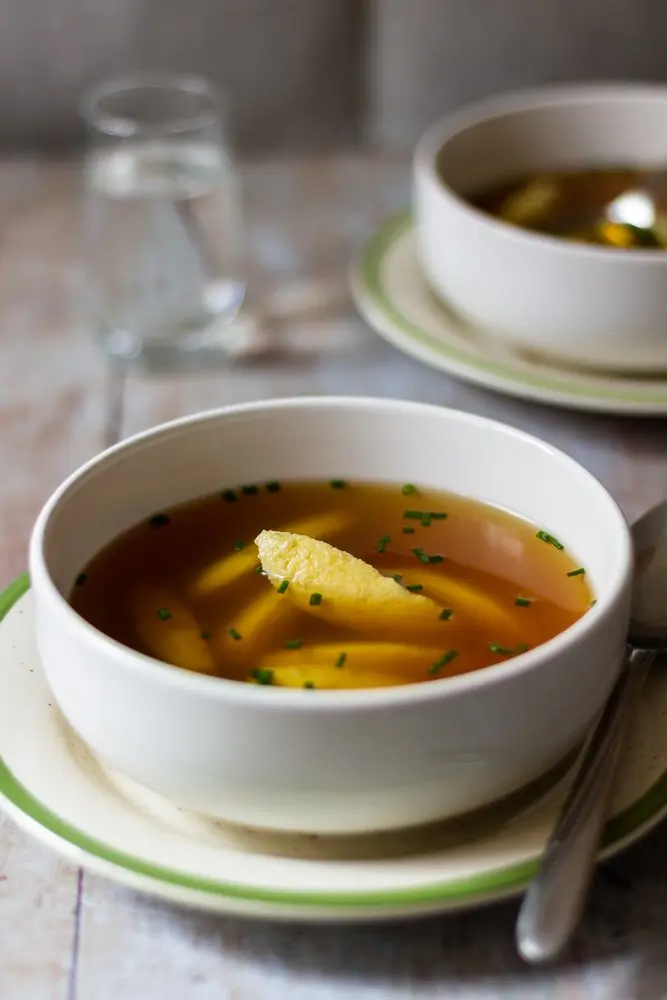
447,129
223,689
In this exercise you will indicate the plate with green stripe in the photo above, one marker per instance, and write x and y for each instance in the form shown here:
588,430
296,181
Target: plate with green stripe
391,294
53,787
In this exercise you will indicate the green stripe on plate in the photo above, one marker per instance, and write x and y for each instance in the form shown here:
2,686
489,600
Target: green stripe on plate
371,273
464,890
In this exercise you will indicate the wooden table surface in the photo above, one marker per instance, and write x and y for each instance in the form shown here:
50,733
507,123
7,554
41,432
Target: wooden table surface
66,935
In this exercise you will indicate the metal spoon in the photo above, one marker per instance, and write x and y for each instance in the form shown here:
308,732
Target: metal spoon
555,900
633,218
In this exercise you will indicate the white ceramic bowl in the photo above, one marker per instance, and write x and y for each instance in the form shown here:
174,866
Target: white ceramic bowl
590,306
346,761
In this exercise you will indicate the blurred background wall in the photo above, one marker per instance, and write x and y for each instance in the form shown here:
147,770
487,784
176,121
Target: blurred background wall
306,73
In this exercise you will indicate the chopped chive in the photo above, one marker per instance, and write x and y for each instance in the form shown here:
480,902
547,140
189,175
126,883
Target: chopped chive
315,599
310,685
437,515
259,568
593,603
205,635
522,602
397,577
282,586
407,489
425,558
544,536
81,579
158,520
338,484
273,486
293,644
382,543
414,515
340,661
250,491
520,647
426,521
421,555
443,660
408,530
577,572
164,614
239,544
262,675
229,495
414,587
234,634
445,614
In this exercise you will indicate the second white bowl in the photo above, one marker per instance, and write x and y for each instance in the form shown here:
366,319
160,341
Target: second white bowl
589,306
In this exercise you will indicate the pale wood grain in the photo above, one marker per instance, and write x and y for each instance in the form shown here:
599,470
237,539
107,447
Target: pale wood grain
306,221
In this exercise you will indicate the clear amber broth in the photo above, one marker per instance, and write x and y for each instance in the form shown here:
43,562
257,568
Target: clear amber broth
503,583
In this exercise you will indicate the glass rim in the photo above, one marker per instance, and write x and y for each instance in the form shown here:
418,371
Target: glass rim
126,127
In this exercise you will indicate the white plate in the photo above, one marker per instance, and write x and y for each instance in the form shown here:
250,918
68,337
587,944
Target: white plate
52,785
392,296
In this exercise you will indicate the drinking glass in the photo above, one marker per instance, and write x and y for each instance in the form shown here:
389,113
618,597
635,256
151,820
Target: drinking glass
162,220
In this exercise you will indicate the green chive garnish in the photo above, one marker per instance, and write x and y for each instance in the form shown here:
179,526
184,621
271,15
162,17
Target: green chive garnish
234,634
250,491
282,586
544,536
310,685
521,647
382,543
407,489
445,614
81,579
577,572
593,603
315,599
340,662
437,515
293,644
426,521
158,520
273,487
205,635
262,676
338,484
230,496
397,577
238,545
443,660
522,602
414,515
425,558
258,568
414,587
408,531
163,614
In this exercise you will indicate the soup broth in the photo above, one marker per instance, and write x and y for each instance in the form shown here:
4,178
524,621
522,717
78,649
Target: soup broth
186,586
571,204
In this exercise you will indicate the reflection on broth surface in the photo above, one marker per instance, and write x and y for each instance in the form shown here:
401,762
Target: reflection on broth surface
359,585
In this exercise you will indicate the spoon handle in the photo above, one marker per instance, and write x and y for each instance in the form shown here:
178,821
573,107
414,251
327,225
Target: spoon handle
555,899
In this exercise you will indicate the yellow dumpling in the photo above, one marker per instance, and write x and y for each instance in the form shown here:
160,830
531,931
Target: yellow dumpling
340,588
